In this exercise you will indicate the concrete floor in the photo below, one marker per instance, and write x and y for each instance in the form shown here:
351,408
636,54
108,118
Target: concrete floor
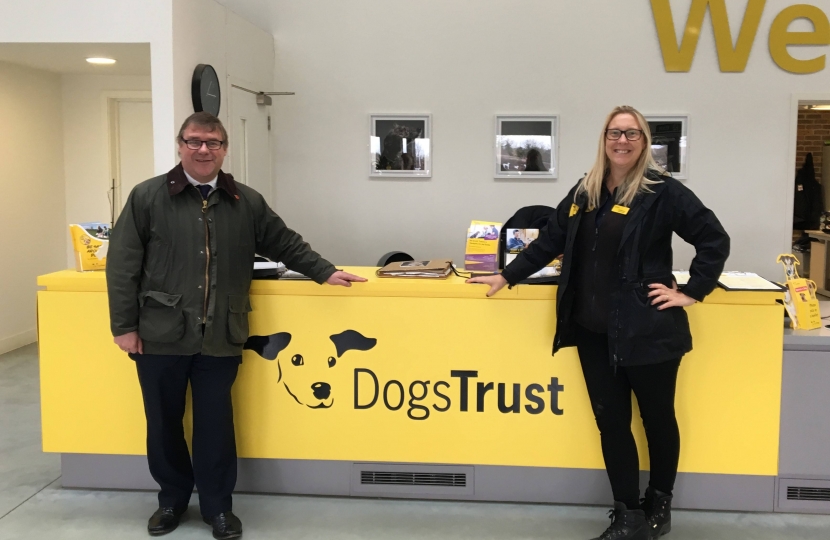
33,505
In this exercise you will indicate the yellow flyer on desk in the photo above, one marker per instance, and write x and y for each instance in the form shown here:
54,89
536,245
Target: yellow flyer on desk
91,243
482,253
800,297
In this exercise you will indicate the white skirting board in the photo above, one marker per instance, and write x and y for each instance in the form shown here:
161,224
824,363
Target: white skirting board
22,339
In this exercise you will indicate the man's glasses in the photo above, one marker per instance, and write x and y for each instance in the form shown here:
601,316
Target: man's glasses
615,134
196,144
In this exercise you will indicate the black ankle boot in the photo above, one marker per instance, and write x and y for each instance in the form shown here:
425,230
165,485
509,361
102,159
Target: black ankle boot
625,524
657,507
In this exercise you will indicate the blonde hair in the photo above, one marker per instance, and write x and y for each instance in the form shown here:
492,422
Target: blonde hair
635,181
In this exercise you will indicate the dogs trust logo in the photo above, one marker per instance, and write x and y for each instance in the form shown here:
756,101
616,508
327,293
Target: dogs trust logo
317,395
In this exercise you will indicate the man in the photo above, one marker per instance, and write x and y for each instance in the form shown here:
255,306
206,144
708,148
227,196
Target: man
515,243
179,268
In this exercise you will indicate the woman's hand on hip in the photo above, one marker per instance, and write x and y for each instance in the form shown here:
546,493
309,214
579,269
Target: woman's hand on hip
496,282
668,297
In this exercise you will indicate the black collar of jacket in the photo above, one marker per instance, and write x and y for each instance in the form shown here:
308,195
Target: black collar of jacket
641,203
639,206
177,182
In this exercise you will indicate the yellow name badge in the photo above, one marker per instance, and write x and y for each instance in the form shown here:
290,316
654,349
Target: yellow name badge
574,210
620,209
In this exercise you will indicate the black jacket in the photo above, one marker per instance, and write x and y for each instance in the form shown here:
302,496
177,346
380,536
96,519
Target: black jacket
638,333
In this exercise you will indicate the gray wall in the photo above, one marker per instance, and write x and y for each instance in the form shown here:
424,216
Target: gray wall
464,62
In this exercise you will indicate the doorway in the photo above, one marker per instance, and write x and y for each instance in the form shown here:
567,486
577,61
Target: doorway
250,146
130,127
811,197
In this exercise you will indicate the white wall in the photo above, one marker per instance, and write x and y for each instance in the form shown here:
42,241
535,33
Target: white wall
33,216
205,32
82,21
464,62
105,21
85,144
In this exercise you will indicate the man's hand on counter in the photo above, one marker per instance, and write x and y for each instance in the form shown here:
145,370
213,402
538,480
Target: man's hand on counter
130,343
496,282
343,278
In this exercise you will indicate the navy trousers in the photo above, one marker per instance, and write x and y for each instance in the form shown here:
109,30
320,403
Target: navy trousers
164,381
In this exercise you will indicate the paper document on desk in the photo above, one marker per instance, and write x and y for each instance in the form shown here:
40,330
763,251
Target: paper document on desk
438,268
681,277
291,274
416,274
552,270
746,281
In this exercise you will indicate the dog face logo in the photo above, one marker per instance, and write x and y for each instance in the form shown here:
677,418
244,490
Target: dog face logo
303,375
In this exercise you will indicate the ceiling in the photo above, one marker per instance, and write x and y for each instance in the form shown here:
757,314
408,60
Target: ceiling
131,58
262,13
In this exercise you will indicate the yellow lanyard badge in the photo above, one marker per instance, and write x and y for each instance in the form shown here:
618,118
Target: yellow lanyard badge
574,210
620,209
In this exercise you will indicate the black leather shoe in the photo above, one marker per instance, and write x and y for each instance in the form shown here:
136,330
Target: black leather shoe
164,520
225,525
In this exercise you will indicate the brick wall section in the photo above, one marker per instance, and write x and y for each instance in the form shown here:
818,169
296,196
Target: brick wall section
813,130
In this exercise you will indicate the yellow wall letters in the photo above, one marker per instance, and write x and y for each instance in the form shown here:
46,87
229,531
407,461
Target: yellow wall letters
733,58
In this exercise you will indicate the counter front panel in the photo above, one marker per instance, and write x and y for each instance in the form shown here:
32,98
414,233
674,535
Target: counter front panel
419,371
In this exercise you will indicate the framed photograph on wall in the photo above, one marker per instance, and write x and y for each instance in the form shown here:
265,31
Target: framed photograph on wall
400,145
670,143
527,146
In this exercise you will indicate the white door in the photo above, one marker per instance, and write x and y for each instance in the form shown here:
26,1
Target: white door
132,140
250,146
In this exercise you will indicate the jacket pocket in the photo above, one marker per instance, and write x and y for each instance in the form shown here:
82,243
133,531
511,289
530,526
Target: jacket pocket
238,308
638,318
160,317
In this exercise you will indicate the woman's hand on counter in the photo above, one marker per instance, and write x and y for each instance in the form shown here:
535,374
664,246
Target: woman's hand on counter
130,343
667,297
344,279
496,282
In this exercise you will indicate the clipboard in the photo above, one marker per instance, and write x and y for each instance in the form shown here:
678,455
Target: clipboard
747,281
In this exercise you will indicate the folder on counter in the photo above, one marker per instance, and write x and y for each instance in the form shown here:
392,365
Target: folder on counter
747,281
436,269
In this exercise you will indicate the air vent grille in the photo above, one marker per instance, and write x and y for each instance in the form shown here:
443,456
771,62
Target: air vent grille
389,478
798,493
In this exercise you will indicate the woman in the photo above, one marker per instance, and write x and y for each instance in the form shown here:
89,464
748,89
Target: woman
534,161
619,305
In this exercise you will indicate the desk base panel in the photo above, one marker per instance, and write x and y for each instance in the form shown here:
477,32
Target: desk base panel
483,482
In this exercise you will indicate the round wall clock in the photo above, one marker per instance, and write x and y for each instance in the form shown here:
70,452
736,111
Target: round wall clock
204,89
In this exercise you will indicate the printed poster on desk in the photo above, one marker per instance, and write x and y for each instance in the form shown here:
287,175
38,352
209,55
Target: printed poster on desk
517,241
482,252
800,296
90,242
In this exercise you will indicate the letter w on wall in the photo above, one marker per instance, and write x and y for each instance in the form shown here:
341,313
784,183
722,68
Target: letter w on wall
731,59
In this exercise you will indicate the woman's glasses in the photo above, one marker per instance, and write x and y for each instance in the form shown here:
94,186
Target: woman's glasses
630,134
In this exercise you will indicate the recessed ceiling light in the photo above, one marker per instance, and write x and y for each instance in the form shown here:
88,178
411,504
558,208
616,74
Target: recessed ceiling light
100,60
824,107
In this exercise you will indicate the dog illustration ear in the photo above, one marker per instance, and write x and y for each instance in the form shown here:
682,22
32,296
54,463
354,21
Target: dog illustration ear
352,340
268,347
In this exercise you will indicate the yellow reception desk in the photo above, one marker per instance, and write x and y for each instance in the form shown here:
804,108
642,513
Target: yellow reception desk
450,387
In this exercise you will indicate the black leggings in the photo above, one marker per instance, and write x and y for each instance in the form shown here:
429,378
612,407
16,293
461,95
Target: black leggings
610,394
